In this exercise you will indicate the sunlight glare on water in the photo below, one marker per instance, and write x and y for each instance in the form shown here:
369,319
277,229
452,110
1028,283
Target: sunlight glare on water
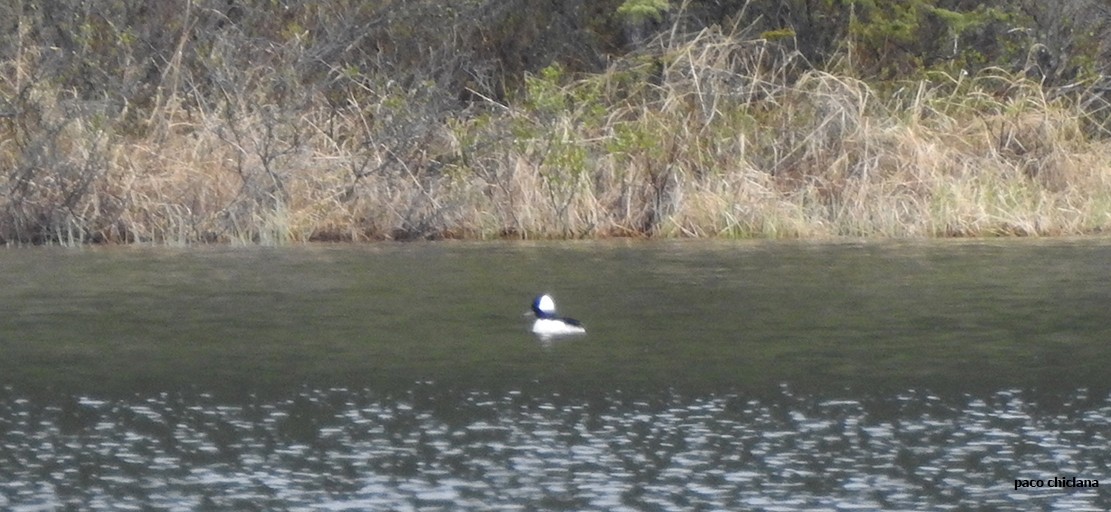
438,450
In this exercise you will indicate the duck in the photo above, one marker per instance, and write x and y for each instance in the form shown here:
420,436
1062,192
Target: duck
548,323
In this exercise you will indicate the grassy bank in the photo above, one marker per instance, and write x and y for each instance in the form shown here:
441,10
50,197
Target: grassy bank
708,133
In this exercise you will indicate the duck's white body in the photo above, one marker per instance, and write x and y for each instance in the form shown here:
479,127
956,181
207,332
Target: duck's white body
548,323
549,327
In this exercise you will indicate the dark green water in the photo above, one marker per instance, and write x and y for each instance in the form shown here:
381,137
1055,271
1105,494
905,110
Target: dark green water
736,376
699,316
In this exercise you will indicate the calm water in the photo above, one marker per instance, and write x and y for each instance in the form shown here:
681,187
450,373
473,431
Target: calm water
715,376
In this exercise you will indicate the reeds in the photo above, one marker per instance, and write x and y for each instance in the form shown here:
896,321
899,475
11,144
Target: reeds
706,135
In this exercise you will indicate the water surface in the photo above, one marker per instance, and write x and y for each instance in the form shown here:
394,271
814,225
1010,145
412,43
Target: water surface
737,376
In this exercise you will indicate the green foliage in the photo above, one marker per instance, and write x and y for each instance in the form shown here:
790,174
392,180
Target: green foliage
552,105
635,139
552,95
776,35
639,11
902,39
544,93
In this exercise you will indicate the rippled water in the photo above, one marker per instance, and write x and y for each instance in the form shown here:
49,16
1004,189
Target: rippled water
742,376
434,450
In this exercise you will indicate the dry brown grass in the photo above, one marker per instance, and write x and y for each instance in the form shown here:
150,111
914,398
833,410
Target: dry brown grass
728,147
707,136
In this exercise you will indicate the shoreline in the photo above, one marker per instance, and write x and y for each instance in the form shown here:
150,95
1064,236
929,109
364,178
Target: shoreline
707,134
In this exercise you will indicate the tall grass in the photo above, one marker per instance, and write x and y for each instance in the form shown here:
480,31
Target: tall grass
710,134
725,137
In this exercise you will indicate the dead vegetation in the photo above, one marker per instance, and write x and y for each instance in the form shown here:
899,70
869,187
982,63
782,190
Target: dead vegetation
715,132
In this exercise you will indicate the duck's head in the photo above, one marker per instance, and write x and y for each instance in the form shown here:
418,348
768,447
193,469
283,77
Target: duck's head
544,306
